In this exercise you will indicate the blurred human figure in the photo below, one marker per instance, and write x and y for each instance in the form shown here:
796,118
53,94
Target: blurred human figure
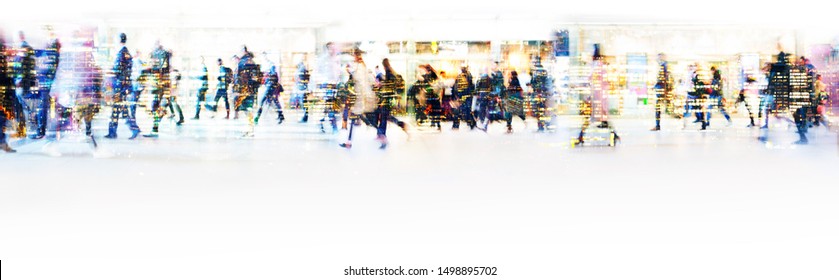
326,78
52,55
776,87
663,88
140,75
747,95
201,95
366,102
542,85
344,98
241,80
387,90
446,84
89,98
301,91
122,89
161,85
172,101
716,96
497,79
225,78
702,92
433,94
489,108
463,92
821,102
491,89
273,89
802,114
25,79
597,105
514,101
46,78
692,97
416,97
7,97
247,79
79,80
767,100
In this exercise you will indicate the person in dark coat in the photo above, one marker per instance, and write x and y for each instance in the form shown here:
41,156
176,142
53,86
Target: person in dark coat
273,89
122,90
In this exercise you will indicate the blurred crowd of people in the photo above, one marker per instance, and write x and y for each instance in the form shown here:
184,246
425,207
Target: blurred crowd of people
784,88
53,89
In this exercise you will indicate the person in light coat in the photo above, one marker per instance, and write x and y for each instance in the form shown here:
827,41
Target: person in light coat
366,101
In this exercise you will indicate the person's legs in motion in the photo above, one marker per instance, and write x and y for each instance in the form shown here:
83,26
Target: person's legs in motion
169,105
201,100
87,113
3,144
116,111
539,112
173,101
261,106
304,103
226,104
213,105
132,104
436,112
381,118
721,105
716,103
157,112
21,118
586,123
748,105
659,104
44,112
348,143
703,110
220,94
508,116
766,105
466,114
800,117
454,112
277,106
